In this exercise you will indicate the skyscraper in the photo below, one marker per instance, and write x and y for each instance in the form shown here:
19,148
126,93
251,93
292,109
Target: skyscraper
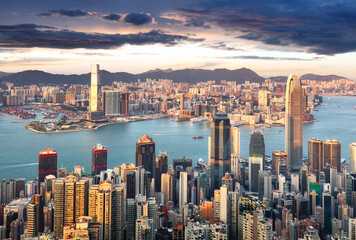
47,164
58,217
277,157
183,190
294,122
235,151
95,89
99,159
162,167
315,155
220,149
262,100
332,154
106,206
257,144
112,103
255,164
353,157
32,219
167,187
145,154
124,108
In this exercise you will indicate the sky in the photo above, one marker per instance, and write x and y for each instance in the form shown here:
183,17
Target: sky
273,38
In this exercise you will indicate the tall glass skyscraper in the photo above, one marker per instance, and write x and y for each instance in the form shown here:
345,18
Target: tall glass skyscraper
294,122
95,89
257,144
220,149
112,103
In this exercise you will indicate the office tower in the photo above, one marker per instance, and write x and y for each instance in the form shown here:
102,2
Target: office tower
81,198
262,100
125,169
145,229
58,217
220,149
19,187
15,230
47,164
131,218
295,182
140,181
183,190
32,219
124,107
294,122
224,205
38,199
327,212
206,211
112,103
303,180
99,159
145,154
315,155
255,164
106,206
332,154
235,151
95,89
131,184
257,144
162,167
167,187
277,157
264,185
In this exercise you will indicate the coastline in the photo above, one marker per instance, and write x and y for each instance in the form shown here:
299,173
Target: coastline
92,129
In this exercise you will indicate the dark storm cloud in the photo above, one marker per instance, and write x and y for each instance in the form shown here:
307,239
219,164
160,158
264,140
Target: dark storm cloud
31,35
66,13
132,18
138,18
322,27
252,57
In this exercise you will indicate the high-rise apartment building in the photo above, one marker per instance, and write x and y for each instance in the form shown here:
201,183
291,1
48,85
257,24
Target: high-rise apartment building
47,164
353,157
315,147
59,204
167,187
262,100
277,157
106,206
99,159
220,149
294,122
32,219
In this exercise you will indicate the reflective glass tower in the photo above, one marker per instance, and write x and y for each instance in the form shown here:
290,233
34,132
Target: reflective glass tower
294,122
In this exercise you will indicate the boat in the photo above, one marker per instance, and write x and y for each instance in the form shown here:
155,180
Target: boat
197,137
315,109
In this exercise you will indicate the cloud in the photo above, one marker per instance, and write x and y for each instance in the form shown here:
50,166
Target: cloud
322,27
65,13
132,18
220,46
138,18
252,57
31,35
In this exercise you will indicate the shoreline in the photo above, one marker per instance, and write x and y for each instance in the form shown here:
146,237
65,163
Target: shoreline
91,129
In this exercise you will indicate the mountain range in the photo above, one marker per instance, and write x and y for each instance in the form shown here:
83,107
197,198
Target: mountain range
241,75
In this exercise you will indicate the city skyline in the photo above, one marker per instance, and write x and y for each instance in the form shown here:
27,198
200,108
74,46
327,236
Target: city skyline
65,37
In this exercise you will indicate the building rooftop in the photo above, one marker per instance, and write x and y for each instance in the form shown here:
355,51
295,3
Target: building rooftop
145,139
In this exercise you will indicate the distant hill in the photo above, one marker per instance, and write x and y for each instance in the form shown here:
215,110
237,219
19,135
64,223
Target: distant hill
310,76
186,75
2,74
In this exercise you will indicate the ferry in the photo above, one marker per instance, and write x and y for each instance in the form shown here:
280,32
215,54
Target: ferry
197,137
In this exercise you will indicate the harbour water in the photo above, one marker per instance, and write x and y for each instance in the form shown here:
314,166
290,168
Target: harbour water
19,147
